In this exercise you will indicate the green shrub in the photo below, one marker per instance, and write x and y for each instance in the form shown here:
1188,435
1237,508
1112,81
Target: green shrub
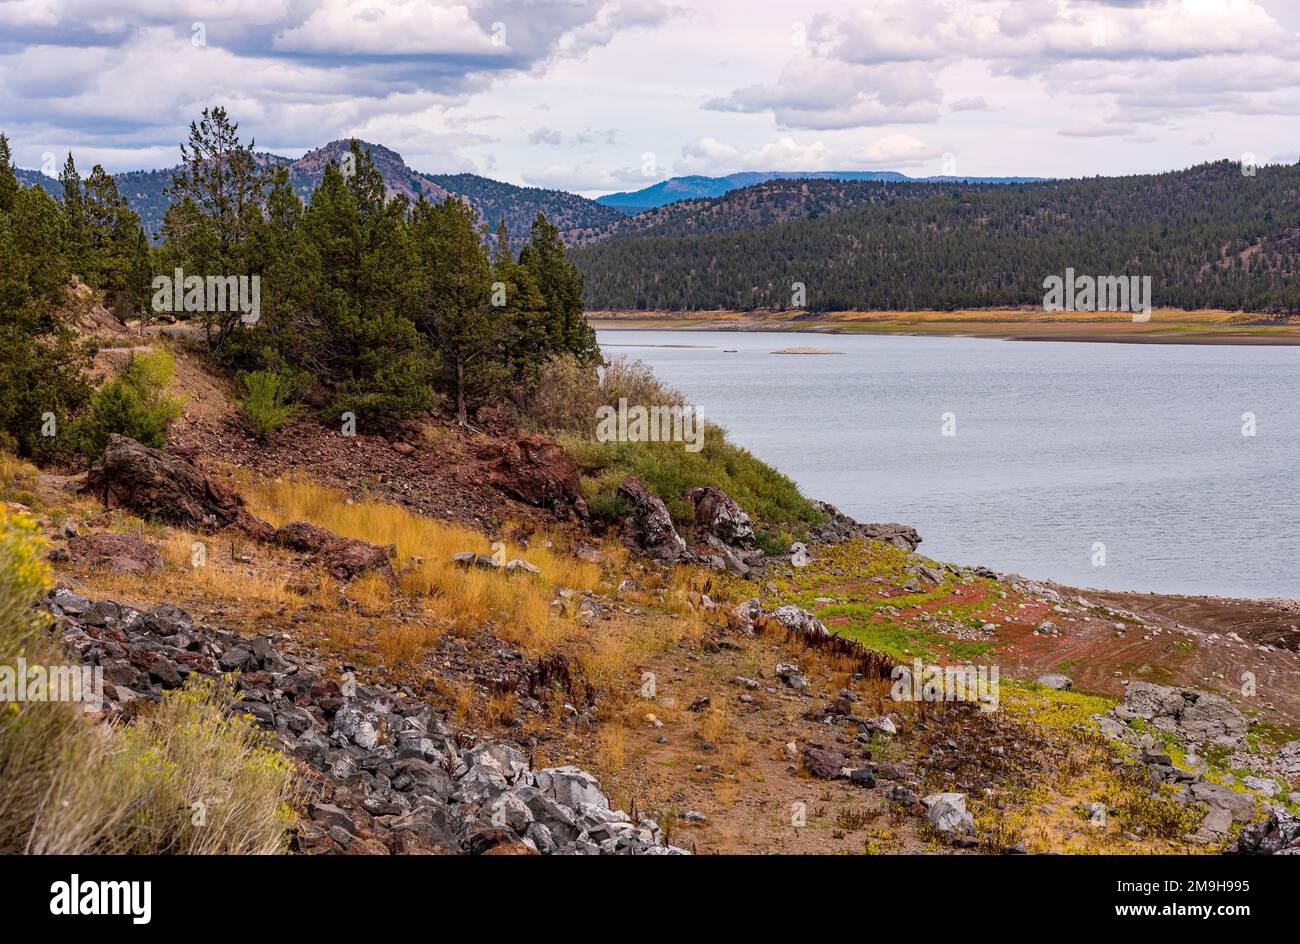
266,402
563,402
771,498
203,779
132,404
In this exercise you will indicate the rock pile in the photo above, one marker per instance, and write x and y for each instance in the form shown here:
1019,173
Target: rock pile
390,776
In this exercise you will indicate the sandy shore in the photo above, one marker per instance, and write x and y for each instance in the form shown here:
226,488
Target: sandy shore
1166,326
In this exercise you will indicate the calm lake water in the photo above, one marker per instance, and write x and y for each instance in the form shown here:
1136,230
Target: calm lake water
1058,446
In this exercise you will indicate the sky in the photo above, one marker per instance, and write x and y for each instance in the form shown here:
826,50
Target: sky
595,96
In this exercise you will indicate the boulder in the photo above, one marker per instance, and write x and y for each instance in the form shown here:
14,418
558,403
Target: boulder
571,786
650,528
946,812
1062,683
799,621
717,514
1195,716
119,553
343,557
153,484
346,558
823,764
537,472
303,536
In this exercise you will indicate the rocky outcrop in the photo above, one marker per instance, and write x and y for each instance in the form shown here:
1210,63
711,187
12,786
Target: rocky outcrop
538,472
1277,835
649,528
718,515
153,484
1287,761
839,528
387,775
1194,716
118,553
345,558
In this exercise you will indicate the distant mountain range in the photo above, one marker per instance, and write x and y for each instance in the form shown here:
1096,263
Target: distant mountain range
146,191
587,220
697,188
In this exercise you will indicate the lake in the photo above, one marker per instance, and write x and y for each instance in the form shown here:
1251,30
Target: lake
1058,447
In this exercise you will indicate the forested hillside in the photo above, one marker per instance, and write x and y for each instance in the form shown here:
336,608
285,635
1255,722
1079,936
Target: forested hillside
1209,237
763,204
518,206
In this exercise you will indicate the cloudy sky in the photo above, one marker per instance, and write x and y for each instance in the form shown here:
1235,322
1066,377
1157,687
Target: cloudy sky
602,95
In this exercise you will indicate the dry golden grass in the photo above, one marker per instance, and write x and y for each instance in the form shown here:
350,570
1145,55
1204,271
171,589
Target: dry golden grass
406,642
519,605
611,748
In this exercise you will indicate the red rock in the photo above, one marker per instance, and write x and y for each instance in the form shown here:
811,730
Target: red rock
538,472
119,553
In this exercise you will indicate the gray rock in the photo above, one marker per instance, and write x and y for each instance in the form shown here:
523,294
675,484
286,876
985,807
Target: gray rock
571,786
1277,835
1268,788
1061,683
946,812
1195,716
1287,760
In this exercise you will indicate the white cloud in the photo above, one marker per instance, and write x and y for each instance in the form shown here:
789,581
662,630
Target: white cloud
898,150
402,27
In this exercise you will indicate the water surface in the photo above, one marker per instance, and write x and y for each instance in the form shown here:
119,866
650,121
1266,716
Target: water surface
1058,446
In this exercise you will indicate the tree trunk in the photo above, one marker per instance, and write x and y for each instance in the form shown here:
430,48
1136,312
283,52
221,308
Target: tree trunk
461,418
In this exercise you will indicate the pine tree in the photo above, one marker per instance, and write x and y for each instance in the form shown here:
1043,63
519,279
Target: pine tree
560,284
42,364
74,215
116,255
223,178
9,185
456,310
356,295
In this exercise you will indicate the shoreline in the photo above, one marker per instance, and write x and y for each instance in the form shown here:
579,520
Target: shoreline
1167,326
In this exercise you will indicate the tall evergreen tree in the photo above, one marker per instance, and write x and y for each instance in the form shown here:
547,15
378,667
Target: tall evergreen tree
560,284
8,179
74,215
42,363
456,310
116,257
223,181
355,293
